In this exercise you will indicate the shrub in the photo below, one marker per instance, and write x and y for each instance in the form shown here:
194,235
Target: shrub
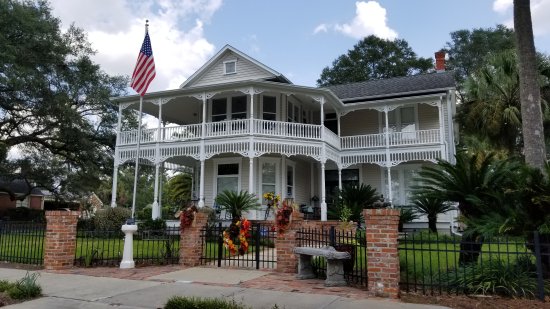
152,225
5,285
85,224
111,219
145,213
26,287
178,302
517,279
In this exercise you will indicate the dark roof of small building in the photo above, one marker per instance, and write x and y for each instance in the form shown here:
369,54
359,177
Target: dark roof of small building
19,186
394,87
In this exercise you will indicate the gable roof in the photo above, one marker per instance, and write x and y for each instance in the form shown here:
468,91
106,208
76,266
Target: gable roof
394,87
276,75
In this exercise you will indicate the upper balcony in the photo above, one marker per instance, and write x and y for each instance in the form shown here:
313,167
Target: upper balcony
279,129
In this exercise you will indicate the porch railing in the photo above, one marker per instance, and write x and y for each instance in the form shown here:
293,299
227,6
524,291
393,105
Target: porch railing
417,137
282,129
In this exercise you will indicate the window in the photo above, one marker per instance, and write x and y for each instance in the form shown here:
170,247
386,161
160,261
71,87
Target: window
402,119
290,181
402,180
227,177
219,109
350,177
331,122
269,175
269,108
238,107
230,67
23,203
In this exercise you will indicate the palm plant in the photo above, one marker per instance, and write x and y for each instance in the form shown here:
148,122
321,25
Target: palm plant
237,202
356,198
406,215
431,206
473,183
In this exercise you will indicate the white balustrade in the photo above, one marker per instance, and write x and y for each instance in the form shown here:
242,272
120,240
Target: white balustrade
331,138
179,133
128,137
287,129
227,128
414,137
363,141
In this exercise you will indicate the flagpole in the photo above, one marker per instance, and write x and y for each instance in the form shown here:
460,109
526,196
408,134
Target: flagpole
137,158
138,143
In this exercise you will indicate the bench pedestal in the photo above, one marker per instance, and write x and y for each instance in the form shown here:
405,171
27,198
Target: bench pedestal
335,264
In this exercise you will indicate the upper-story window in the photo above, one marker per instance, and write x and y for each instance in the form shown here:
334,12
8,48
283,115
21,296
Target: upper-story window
229,108
269,111
230,67
402,119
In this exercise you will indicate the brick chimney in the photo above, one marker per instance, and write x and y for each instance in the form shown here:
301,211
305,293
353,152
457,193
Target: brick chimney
440,61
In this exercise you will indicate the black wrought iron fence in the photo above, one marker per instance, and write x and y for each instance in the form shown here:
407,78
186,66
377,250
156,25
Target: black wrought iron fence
260,254
435,264
355,243
22,242
105,248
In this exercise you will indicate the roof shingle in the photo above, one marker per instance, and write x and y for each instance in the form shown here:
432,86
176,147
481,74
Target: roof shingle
391,87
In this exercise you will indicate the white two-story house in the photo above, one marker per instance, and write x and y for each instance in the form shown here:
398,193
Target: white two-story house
241,125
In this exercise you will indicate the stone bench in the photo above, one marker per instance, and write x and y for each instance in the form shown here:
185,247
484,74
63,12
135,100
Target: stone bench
335,264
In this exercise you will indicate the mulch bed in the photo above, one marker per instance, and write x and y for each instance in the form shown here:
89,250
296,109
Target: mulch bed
470,302
5,300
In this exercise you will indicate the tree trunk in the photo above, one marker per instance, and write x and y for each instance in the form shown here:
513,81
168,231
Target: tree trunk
470,248
531,114
432,223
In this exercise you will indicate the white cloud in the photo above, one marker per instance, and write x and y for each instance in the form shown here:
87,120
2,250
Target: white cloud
540,14
116,28
370,18
502,6
321,28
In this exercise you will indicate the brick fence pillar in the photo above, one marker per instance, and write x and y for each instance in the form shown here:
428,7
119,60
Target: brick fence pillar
287,262
191,242
60,239
382,251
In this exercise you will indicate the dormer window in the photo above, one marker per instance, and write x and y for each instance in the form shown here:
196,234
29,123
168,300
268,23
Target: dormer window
230,67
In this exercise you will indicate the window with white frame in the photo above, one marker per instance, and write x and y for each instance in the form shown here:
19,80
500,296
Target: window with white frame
290,180
23,203
227,176
229,108
219,109
269,108
230,67
401,119
269,179
402,180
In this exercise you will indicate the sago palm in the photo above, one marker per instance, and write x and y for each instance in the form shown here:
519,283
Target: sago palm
237,202
431,207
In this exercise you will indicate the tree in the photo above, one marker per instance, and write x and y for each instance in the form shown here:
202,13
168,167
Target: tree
468,50
533,131
55,112
493,111
178,190
374,58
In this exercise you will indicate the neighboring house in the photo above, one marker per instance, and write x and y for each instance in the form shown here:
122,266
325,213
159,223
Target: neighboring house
21,196
243,126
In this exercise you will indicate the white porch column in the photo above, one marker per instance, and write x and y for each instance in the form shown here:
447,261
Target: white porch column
201,185
283,178
202,154
115,167
441,130
251,130
322,101
339,178
251,175
338,121
156,208
388,159
323,197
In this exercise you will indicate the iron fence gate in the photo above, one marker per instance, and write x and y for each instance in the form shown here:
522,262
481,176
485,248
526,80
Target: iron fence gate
261,253
22,242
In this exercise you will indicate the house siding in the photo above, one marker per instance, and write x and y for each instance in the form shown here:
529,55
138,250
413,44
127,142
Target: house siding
428,117
371,175
302,188
359,122
246,70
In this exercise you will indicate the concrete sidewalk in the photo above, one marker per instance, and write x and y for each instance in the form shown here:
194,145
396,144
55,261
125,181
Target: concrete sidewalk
78,291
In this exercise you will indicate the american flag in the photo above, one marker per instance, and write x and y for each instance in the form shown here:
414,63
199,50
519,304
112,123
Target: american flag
144,73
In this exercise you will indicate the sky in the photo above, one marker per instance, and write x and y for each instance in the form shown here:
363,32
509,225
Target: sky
297,38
